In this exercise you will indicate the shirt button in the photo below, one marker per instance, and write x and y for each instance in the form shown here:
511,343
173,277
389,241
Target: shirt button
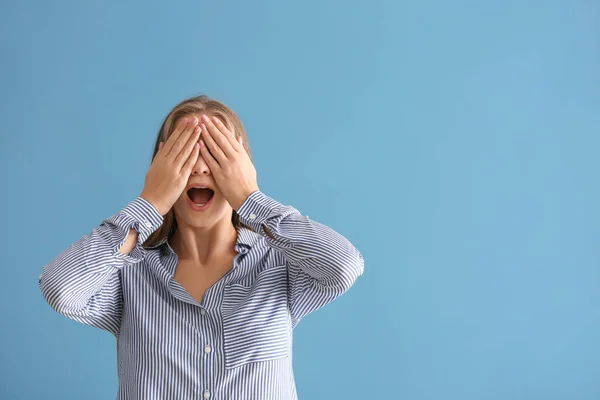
203,312
206,394
148,224
252,216
207,349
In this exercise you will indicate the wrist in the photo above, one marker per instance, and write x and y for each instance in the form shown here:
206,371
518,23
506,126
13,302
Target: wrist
155,203
242,199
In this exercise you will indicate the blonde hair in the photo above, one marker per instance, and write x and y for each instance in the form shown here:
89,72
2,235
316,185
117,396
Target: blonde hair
195,105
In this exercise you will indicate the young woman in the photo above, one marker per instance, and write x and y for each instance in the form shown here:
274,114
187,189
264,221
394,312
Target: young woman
202,277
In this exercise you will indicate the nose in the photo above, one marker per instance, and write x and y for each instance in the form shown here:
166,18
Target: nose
200,168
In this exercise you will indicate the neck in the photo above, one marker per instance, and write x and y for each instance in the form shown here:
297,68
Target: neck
203,244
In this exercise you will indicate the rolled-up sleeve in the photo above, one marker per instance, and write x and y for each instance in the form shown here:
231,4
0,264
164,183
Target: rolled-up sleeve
84,282
322,264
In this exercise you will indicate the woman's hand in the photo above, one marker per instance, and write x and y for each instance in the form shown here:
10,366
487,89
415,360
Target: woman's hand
228,161
172,166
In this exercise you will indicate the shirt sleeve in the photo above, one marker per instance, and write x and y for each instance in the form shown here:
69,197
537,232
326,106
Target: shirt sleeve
84,281
322,264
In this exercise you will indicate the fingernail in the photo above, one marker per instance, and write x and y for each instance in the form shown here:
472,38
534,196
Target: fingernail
216,120
197,130
203,128
201,142
184,121
205,118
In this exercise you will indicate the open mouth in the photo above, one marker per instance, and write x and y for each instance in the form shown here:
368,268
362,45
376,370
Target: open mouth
200,196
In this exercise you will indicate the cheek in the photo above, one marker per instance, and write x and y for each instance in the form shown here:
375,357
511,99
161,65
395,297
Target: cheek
182,200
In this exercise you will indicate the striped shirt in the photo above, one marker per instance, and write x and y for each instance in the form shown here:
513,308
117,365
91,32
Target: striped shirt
237,343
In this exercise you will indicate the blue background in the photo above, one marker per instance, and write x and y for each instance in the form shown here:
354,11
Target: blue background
455,143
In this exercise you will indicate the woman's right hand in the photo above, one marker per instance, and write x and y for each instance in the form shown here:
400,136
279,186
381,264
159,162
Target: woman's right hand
172,166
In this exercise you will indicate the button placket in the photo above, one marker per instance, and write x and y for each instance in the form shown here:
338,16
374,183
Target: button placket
206,353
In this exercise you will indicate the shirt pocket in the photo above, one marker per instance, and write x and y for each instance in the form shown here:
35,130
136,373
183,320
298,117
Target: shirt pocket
256,319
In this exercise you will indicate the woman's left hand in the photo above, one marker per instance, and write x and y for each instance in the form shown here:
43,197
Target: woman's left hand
228,161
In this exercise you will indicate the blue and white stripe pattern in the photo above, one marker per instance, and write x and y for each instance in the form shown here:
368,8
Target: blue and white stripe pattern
237,344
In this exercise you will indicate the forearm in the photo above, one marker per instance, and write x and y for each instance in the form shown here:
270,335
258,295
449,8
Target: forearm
130,243
79,272
316,249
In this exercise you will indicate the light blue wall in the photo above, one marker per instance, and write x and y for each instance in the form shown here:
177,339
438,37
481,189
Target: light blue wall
454,142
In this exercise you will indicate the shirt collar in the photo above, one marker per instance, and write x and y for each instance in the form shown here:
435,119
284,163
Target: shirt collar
246,237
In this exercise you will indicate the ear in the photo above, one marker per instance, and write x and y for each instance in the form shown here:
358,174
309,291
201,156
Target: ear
160,145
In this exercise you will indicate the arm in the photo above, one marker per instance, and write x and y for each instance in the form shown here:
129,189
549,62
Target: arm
84,281
322,264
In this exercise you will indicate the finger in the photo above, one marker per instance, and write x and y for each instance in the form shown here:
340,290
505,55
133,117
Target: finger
226,132
213,147
213,165
242,148
218,137
191,161
183,139
187,149
179,129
